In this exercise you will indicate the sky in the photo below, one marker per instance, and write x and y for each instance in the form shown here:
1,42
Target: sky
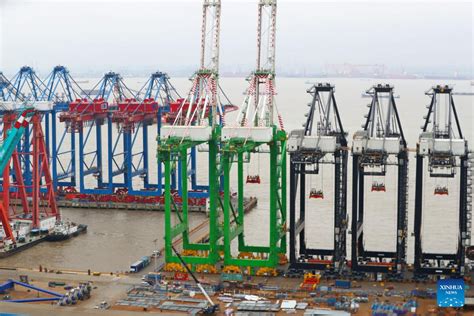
142,35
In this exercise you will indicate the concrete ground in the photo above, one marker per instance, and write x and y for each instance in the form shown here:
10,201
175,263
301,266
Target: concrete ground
111,288
105,288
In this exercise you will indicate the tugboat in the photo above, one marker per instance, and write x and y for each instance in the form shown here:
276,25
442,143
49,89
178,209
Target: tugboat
66,230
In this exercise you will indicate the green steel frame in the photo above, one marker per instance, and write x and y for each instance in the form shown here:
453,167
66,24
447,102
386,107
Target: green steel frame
175,149
233,153
172,148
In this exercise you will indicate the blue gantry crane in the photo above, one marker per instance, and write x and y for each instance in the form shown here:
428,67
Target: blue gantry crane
25,86
61,89
89,158
86,117
134,118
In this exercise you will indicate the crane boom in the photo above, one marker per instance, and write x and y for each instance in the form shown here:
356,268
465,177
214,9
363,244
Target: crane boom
14,136
210,35
258,107
7,148
266,26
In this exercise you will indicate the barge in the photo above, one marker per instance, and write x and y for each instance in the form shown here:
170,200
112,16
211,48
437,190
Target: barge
25,235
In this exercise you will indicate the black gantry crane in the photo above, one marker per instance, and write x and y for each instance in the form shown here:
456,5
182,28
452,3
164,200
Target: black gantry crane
442,143
322,141
380,145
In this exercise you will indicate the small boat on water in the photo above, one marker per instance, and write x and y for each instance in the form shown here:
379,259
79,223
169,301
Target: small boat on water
66,230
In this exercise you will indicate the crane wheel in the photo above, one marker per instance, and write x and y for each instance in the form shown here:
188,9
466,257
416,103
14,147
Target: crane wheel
231,270
206,268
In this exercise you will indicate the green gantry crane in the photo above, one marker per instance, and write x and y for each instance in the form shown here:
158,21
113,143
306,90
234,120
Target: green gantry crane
198,122
254,130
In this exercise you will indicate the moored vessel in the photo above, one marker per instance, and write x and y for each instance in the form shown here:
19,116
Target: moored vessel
66,230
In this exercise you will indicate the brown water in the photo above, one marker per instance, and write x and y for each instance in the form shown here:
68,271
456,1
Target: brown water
114,240
117,238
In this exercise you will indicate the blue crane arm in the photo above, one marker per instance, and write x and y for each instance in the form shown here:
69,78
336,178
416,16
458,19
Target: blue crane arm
14,136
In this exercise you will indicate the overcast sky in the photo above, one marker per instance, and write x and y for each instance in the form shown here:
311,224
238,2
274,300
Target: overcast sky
96,36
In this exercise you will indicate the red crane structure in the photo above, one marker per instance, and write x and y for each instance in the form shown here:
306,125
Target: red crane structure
38,201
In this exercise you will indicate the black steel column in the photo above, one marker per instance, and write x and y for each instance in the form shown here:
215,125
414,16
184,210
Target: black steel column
360,215
344,205
402,211
355,205
292,213
418,211
461,253
340,201
337,207
302,207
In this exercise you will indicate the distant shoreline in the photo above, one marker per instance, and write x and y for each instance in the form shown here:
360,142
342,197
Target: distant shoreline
80,77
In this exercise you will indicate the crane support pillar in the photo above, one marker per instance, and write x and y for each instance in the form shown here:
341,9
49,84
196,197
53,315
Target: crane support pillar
41,175
249,255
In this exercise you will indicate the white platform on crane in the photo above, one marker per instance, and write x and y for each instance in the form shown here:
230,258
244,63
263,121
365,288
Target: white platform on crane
295,140
324,144
429,145
193,133
15,105
389,145
257,134
320,144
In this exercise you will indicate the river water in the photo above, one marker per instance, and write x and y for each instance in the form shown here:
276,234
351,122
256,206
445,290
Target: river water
116,238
